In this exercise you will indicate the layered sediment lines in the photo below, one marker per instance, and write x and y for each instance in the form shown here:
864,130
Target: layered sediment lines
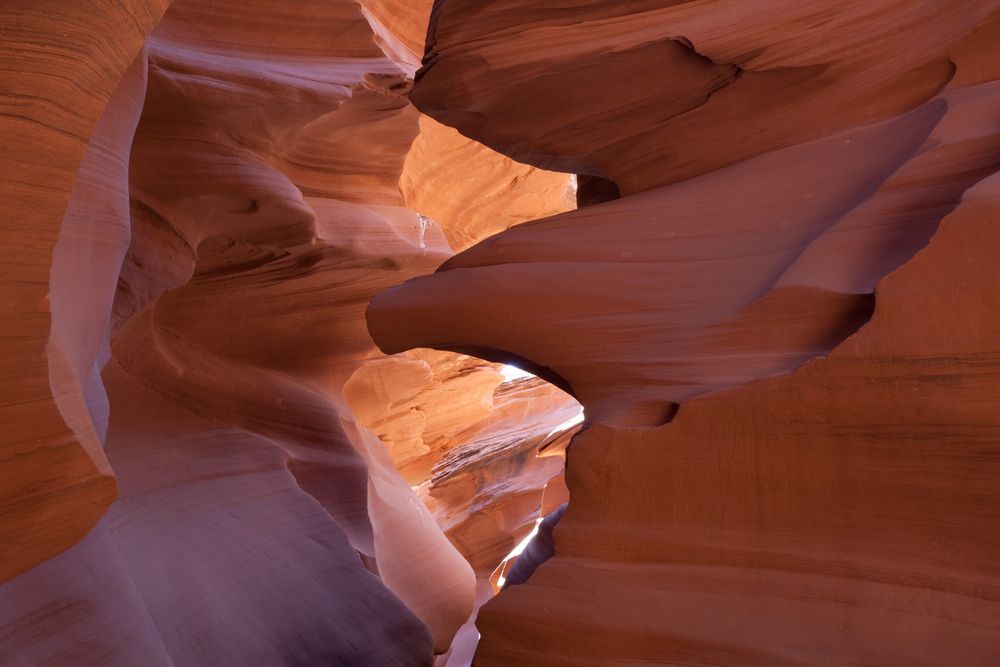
756,240
53,100
217,200
841,514
788,377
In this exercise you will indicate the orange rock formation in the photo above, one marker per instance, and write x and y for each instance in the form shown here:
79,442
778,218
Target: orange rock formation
265,262
209,224
822,490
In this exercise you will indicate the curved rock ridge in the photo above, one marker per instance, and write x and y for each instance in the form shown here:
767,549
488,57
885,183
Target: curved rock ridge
242,423
691,284
483,449
56,482
657,91
215,258
678,306
488,492
442,165
316,132
841,514
769,180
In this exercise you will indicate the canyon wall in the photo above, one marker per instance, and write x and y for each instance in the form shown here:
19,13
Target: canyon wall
267,262
789,370
209,461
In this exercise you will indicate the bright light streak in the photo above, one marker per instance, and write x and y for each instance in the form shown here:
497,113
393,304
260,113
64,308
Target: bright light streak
511,373
568,424
516,551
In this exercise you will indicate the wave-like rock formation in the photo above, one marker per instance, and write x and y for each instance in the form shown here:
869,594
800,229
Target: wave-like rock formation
209,461
842,514
789,455
267,264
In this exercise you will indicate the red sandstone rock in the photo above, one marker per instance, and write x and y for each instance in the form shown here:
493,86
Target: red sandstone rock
237,199
488,492
657,91
470,443
681,303
421,404
55,480
442,165
842,514
793,520
287,494
262,187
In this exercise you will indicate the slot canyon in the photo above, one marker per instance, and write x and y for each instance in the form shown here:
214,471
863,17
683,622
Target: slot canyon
506,333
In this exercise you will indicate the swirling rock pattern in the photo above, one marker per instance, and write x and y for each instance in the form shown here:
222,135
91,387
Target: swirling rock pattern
209,220
242,422
788,455
57,82
841,514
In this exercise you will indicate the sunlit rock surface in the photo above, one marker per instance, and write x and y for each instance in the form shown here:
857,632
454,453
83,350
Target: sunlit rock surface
842,514
788,454
259,412
218,200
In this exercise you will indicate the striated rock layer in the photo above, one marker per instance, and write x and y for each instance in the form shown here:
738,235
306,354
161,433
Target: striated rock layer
839,515
756,240
789,441
53,100
209,219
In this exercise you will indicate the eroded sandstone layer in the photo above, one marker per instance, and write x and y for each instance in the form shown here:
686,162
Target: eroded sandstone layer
789,455
756,240
843,514
208,461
